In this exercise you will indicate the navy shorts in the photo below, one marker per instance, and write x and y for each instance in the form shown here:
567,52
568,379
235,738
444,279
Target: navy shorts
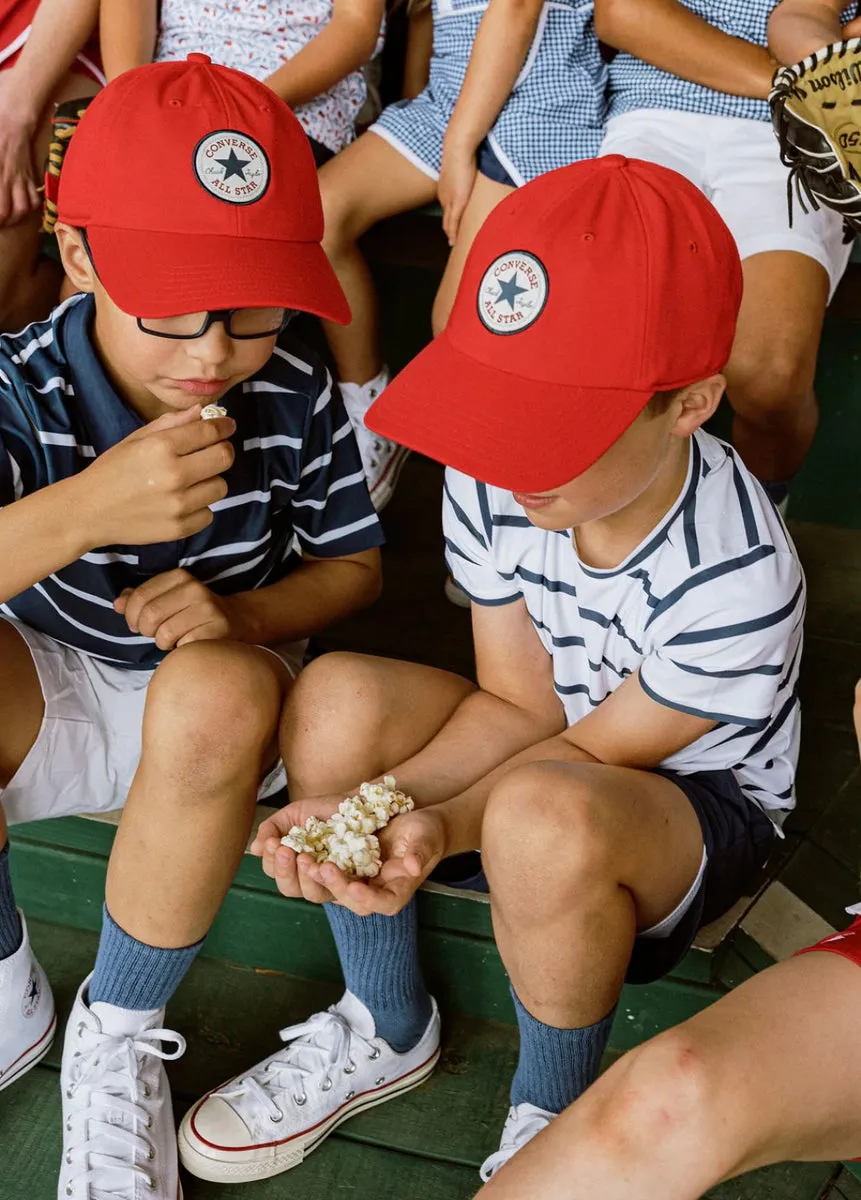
491,167
738,838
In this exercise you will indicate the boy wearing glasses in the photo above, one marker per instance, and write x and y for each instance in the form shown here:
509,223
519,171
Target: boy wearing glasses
160,572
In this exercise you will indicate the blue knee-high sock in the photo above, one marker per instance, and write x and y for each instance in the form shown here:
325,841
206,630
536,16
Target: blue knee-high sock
130,974
11,931
379,958
556,1065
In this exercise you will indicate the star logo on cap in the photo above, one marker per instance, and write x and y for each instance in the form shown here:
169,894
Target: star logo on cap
513,292
509,291
231,166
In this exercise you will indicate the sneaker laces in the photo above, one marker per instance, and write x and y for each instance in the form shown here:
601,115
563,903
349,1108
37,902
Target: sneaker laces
108,1150
316,1048
519,1129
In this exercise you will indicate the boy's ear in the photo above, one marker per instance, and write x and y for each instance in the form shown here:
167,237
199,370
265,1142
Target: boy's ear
699,401
76,261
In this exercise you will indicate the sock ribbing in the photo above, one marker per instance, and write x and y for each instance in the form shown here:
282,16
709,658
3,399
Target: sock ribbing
131,974
556,1065
379,958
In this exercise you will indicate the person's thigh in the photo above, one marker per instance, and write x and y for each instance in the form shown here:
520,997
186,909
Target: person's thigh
784,1062
351,716
366,183
21,703
778,338
485,196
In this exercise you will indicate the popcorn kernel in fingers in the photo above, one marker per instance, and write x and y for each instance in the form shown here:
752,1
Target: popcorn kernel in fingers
347,838
211,412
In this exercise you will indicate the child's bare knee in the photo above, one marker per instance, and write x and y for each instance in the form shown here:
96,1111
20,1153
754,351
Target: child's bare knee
212,700
546,815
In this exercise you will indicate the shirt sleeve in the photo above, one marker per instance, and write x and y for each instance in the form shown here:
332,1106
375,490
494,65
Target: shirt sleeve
725,642
468,532
18,470
332,511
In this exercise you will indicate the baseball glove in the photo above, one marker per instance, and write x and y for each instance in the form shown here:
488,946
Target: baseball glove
67,117
816,111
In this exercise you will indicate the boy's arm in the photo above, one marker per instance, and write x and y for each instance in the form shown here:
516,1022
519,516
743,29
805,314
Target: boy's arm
671,37
154,486
58,32
498,53
127,33
345,44
628,729
797,28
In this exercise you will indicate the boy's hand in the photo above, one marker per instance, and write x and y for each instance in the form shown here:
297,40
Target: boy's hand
174,608
157,484
411,845
18,187
456,181
279,862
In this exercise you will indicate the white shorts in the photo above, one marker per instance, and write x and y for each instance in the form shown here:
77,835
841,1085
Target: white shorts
736,163
87,749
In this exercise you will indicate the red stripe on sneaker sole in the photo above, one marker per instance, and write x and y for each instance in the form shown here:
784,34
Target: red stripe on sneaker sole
31,1056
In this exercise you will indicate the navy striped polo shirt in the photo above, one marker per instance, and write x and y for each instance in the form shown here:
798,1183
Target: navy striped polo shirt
296,483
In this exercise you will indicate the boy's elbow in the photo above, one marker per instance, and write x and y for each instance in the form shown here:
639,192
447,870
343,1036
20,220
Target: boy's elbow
370,585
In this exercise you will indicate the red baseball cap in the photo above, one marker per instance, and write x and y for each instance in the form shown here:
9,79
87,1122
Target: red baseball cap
584,293
197,189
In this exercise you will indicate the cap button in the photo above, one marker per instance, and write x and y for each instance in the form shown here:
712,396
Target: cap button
199,58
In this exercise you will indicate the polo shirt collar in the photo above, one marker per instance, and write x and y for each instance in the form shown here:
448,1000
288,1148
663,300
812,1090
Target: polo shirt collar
107,416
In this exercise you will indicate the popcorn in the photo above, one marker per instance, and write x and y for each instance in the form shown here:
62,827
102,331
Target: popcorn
347,837
211,412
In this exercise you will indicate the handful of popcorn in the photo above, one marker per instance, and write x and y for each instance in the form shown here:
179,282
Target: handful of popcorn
347,838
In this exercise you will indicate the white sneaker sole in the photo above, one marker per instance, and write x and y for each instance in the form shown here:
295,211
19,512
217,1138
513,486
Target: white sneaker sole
245,1166
384,488
30,1057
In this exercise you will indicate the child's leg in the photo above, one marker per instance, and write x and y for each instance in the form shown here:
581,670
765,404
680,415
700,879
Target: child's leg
769,1073
579,858
770,373
209,733
486,194
29,283
366,183
349,717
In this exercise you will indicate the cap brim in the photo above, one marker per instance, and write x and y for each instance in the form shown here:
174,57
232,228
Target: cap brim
165,274
519,434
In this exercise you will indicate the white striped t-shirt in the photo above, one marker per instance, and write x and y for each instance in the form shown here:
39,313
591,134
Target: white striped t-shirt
709,608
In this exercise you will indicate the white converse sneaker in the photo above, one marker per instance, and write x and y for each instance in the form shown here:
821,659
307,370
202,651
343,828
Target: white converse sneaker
521,1125
118,1132
27,1018
332,1067
382,460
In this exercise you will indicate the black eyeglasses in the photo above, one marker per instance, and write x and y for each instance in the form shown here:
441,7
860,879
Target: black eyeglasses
242,324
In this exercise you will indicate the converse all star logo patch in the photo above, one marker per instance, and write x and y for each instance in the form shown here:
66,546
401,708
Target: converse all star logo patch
32,993
512,292
231,166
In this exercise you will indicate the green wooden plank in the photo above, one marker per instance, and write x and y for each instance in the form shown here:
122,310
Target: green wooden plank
30,1137
344,1169
785,1181
646,1010
837,830
848,1186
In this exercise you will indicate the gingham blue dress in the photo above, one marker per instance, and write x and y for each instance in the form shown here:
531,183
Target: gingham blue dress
555,113
635,84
